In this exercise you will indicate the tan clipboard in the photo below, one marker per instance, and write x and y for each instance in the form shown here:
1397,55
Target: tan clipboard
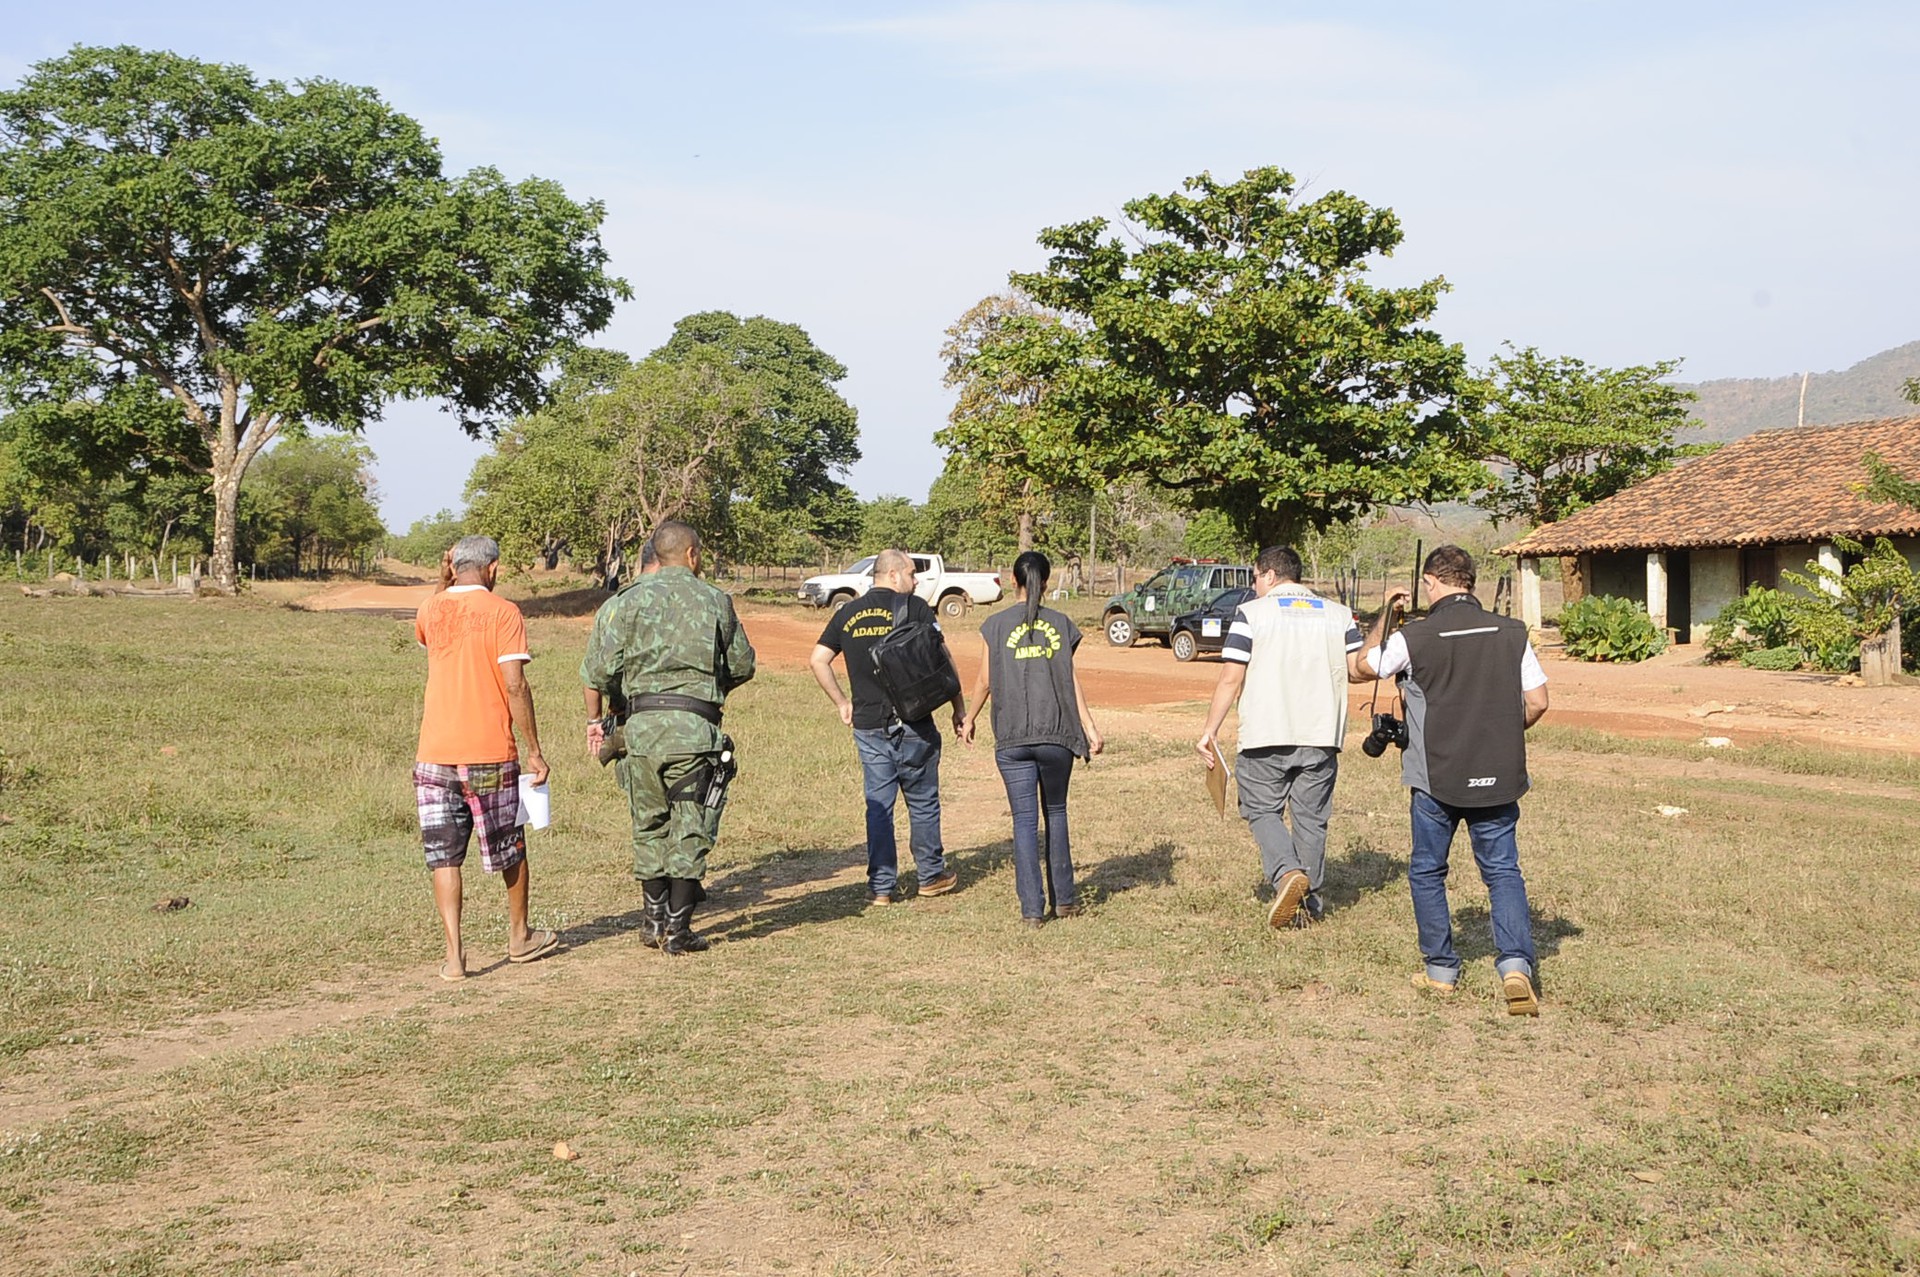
1217,777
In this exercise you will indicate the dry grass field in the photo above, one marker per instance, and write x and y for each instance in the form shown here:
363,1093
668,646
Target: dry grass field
1724,1079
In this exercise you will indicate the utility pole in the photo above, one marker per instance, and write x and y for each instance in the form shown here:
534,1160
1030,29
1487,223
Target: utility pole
1803,398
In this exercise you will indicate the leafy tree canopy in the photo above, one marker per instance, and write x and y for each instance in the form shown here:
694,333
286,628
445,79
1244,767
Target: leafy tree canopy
808,426
1232,348
86,476
996,413
310,504
1884,482
732,425
1564,435
271,257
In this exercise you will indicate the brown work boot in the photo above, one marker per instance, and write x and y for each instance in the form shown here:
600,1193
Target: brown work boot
942,885
1427,984
1518,988
1287,895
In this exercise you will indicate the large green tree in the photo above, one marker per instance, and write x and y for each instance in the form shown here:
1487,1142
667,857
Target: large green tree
1231,347
309,504
1563,435
538,492
270,256
734,425
810,433
997,412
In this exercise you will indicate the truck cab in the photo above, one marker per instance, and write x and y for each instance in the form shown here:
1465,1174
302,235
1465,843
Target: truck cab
952,593
1148,610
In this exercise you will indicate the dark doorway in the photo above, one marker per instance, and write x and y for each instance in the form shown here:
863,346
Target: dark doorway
1680,595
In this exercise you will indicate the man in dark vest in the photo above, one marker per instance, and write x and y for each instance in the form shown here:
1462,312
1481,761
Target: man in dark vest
1471,686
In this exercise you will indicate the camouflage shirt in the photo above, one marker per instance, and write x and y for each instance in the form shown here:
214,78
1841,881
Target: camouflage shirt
668,632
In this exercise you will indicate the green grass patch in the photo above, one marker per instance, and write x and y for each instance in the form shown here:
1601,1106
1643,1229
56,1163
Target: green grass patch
1721,1079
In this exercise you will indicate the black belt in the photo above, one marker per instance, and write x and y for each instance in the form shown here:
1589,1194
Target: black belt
673,700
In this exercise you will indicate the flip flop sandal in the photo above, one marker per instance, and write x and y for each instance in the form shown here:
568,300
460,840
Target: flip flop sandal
542,943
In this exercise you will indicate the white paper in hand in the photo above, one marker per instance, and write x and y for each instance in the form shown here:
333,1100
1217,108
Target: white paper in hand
536,807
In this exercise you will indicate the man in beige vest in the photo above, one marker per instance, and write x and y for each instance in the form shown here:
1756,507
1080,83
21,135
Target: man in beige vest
1285,662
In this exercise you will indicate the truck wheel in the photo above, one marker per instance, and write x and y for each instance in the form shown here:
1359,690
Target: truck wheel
953,605
838,597
1119,629
1184,648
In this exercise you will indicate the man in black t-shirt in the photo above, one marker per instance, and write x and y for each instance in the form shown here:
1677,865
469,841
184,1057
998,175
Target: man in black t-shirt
1472,686
896,758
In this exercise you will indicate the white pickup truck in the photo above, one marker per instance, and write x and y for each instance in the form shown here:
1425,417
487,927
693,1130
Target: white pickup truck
951,593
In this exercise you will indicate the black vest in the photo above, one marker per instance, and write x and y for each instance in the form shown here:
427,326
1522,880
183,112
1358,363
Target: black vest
1466,714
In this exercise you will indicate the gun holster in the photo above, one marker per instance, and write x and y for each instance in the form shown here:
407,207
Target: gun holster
707,783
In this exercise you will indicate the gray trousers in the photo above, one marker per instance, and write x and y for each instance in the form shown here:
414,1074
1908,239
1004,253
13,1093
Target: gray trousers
1279,777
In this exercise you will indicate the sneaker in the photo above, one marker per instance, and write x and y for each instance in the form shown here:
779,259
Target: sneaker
942,885
1518,988
1287,895
879,897
1427,984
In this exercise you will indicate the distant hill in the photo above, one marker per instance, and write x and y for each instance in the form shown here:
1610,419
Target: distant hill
1737,406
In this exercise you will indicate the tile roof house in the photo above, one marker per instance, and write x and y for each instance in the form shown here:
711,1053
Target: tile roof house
1689,541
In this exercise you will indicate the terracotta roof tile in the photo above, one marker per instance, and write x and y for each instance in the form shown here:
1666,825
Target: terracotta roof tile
1774,486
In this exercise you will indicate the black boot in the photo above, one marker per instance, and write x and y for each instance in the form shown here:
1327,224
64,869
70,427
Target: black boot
653,925
679,936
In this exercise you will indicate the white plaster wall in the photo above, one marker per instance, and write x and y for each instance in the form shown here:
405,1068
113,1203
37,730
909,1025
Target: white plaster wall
1794,558
1715,583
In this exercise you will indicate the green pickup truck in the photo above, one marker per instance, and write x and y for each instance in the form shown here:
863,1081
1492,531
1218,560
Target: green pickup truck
1183,585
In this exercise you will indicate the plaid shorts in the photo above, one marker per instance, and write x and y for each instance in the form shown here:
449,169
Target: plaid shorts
456,800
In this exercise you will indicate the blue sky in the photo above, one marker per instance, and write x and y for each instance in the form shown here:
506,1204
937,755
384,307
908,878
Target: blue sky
1729,184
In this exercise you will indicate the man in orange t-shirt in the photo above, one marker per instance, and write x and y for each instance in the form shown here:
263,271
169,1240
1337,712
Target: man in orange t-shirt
466,775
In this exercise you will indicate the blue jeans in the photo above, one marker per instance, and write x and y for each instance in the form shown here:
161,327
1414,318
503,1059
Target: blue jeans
1036,778
902,759
1497,854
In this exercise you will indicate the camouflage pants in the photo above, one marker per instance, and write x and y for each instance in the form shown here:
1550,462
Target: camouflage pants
670,839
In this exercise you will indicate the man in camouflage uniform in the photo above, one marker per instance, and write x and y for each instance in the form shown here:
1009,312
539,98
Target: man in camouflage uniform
598,707
672,646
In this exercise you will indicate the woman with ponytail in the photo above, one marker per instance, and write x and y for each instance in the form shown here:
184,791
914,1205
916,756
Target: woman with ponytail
1040,725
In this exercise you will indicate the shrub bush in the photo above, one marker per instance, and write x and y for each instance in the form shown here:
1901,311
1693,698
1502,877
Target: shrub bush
1757,620
1769,621
1602,628
1774,658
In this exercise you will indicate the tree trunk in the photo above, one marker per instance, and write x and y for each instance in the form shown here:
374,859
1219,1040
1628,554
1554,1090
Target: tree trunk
1026,515
1880,656
1573,581
226,523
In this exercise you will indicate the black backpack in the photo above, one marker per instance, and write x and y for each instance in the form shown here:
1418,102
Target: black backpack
911,665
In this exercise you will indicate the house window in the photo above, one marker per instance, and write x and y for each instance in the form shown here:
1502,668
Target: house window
1759,565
